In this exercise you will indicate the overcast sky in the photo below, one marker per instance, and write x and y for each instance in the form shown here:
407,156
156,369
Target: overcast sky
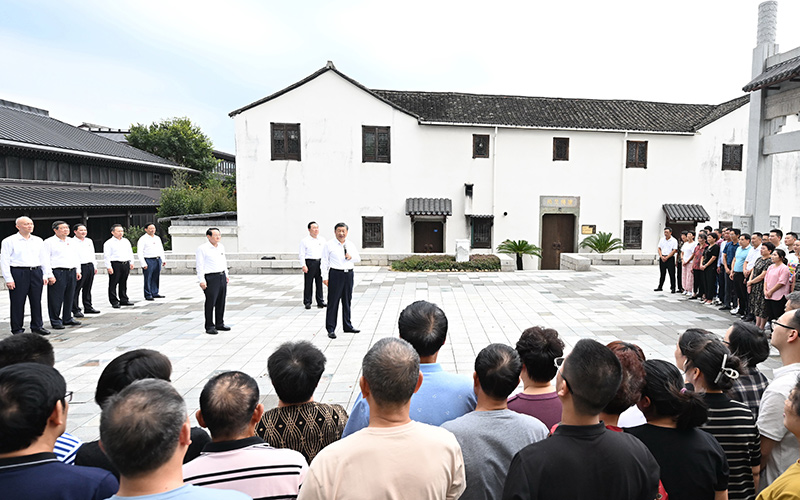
121,62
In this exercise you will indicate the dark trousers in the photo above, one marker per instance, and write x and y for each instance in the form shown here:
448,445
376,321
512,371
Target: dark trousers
152,275
312,277
679,272
119,279
60,295
340,288
774,308
27,285
667,267
731,298
720,283
216,291
741,291
711,281
84,285
699,282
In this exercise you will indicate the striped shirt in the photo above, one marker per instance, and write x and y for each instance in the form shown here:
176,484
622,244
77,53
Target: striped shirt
67,447
732,424
248,465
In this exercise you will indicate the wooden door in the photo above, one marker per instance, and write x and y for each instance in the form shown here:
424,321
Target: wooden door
558,235
428,237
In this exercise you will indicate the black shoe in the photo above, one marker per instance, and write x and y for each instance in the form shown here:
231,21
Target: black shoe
322,306
91,311
352,330
129,303
18,332
672,291
41,331
223,328
77,314
308,306
74,323
724,308
57,327
148,298
658,289
211,331
115,306
680,290
158,296
331,335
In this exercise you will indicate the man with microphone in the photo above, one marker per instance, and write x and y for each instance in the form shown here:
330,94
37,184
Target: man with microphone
339,258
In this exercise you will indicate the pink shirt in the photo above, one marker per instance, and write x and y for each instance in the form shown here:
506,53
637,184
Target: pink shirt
778,274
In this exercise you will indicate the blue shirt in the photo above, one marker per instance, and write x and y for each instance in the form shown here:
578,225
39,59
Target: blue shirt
41,476
730,251
442,396
741,256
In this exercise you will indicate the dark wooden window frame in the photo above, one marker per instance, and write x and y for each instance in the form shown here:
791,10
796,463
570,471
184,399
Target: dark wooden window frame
284,153
476,138
377,157
631,228
639,151
732,156
482,221
371,243
564,141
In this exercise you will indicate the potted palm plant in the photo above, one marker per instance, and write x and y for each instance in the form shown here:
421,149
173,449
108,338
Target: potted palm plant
519,248
601,242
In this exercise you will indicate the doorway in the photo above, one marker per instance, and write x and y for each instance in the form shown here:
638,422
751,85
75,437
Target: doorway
558,235
428,237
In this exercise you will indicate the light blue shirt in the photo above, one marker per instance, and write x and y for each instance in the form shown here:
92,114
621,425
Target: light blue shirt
442,396
190,492
741,256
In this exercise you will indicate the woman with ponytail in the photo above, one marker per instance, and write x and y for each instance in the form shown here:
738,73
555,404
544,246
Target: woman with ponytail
712,369
693,464
750,345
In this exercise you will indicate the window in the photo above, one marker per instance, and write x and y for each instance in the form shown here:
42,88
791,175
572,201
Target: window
156,180
731,157
480,146
482,232
633,235
372,232
285,141
637,154
375,144
560,148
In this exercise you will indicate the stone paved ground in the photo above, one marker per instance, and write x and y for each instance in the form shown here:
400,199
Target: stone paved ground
607,304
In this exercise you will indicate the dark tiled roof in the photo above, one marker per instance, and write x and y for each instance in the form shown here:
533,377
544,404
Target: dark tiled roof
37,128
678,212
775,74
429,206
42,197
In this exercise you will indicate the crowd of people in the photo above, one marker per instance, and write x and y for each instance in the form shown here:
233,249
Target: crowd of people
598,422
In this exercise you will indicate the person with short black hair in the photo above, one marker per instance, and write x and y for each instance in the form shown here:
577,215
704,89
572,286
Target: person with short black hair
751,345
145,431
667,248
83,287
23,271
776,238
229,408
583,459
538,347
443,395
737,274
62,265
491,435
789,240
299,422
212,275
395,456
118,258
339,257
693,464
33,414
311,258
152,258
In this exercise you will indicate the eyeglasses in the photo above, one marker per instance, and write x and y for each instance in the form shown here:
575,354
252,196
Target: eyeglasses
559,362
773,323
68,397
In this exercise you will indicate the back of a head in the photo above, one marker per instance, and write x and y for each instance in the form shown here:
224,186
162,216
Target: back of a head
140,426
227,403
664,386
28,394
128,368
631,358
26,349
498,367
538,347
749,343
593,374
294,370
391,368
691,338
714,360
424,326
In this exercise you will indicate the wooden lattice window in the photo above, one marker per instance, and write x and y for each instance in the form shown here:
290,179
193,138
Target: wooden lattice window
632,239
372,232
482,233
480,146
637,154
285,141
560,148
375,144
732,156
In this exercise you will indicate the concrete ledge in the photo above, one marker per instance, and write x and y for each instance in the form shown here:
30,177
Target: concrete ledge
583,261
508,263
575,262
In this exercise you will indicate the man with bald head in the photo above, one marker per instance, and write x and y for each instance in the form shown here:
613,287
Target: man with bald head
21,265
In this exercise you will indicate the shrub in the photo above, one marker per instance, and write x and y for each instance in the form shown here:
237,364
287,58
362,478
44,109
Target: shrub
446,263
133,234
601,242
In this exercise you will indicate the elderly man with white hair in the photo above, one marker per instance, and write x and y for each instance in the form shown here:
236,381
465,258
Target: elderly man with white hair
21,265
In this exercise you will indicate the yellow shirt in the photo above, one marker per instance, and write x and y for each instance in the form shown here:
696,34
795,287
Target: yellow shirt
786,487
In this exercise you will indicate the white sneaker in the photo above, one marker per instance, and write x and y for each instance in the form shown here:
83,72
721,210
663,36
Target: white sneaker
735,310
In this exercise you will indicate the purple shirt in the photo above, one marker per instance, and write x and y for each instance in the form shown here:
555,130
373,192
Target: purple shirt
545,407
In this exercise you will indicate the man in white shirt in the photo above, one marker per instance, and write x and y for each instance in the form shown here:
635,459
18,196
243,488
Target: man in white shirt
88,270
118,257
310,257
776,238
212,274
21,264
152,259
62,266
667,248
339,258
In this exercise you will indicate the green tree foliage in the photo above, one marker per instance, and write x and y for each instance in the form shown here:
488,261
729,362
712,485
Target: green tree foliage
184,199
519,248
601,242
133,234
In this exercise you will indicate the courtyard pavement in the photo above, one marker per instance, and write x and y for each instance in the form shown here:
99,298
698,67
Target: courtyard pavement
609,303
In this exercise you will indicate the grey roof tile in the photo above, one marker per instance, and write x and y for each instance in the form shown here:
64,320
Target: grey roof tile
429,206
40,197
775,74
681,212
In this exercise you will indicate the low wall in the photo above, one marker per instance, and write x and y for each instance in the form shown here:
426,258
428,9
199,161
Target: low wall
583,261
187,235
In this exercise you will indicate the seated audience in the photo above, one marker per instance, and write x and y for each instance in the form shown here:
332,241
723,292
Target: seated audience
299,422
538,347
443,396
712,369
145,431
693,464
787,486
750,345
121,372
229,408
491,435
33,413
583,459
37,349
394,457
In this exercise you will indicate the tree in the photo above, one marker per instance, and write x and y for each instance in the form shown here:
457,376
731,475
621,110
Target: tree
519,248
178,140
601,242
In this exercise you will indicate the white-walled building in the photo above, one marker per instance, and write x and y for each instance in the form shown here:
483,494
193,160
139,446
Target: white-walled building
415,171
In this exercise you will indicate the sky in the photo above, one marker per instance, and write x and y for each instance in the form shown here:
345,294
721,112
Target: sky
117,63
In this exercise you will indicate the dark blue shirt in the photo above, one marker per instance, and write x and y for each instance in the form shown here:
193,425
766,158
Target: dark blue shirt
42,477
730,251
